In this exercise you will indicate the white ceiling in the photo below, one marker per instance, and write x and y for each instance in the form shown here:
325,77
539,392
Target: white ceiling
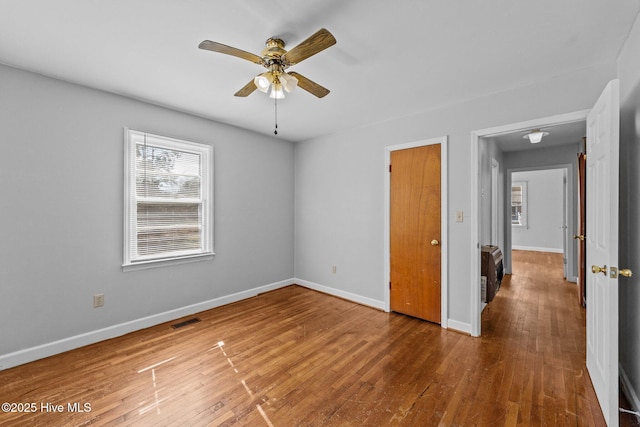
563,134
392,58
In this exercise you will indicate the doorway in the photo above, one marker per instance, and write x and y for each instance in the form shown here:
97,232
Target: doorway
602,133
543,214
578,117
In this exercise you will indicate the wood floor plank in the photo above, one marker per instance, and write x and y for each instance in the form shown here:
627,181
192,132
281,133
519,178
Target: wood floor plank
296,357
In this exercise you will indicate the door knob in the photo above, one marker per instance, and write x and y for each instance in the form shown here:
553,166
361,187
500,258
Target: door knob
578,236
595,269
434,242
625,272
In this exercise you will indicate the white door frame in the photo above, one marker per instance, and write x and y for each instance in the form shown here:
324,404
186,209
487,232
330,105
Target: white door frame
444,224
475,308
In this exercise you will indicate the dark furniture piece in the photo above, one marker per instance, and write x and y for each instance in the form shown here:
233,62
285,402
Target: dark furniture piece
492,269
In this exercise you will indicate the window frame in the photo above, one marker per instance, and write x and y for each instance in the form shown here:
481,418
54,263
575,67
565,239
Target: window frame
523,205
131,261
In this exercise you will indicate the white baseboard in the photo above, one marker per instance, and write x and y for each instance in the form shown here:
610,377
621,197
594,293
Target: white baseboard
49,349
629,391
342,294
538,249
459,326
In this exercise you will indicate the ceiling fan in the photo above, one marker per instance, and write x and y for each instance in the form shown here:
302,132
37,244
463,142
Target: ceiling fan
276,60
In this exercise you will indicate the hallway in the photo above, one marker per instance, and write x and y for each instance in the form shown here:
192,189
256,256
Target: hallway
536,319
539,328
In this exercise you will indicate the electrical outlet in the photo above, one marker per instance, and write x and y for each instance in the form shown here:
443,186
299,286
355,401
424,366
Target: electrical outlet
98,300
334,269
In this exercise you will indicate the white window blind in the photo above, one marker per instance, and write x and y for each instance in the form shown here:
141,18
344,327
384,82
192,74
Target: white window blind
167,198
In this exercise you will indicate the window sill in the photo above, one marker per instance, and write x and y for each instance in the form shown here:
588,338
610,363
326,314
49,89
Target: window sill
144,265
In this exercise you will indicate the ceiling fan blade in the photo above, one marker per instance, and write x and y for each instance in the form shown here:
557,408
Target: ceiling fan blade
310,86
317,42
247,89
228,50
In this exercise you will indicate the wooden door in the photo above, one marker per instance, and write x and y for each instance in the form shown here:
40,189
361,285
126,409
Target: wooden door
415,218
602,249
582,229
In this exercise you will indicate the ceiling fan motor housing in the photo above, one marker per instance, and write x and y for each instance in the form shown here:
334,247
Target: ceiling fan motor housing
274,48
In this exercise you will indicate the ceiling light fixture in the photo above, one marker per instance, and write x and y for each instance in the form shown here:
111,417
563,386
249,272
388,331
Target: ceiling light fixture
276,91
535,136
276,59
263,81
275,82
289,83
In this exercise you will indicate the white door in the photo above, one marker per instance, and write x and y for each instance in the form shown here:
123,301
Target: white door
602,249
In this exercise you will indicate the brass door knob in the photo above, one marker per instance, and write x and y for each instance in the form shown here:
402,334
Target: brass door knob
434,242
578,236
595,269
625,272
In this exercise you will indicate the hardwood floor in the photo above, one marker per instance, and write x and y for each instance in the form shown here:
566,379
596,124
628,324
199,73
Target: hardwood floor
295,357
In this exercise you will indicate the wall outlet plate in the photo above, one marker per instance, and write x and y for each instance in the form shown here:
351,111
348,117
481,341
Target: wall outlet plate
98,300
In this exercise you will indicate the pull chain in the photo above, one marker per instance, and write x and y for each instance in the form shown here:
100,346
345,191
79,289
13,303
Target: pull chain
275,132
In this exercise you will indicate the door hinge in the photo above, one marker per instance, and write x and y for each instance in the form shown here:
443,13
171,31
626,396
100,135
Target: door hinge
389,168
389,285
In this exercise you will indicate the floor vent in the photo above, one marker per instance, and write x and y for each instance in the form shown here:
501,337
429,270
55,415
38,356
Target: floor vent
185,323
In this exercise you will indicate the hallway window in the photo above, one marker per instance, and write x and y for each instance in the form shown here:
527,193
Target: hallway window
519,204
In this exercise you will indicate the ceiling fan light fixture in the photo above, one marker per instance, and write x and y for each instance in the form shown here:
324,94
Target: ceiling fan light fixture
276,60
289,83
276,91
263,81
535,136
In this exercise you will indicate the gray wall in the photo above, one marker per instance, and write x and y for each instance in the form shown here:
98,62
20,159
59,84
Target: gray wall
629,249
545,211
61,212
340,184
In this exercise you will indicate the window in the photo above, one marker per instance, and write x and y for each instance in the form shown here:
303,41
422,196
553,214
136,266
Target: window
519,204
168,203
